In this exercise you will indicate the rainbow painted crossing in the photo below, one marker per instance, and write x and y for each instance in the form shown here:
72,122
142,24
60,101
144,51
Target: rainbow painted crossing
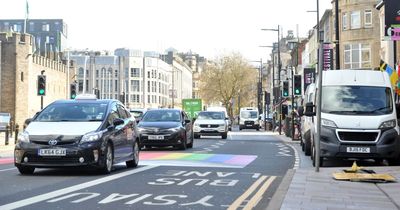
194,159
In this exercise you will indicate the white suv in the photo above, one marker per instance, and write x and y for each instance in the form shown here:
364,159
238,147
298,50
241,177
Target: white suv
210,123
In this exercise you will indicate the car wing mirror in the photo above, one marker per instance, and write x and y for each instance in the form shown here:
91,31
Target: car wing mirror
310,109
27,121
118,121
187,121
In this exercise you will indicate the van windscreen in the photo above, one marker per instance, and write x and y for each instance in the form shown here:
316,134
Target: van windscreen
356,100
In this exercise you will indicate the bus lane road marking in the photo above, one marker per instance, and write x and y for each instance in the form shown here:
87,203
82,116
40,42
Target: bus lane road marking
57,193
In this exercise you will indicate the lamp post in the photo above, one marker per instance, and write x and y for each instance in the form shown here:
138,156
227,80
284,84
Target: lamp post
279,74
259,87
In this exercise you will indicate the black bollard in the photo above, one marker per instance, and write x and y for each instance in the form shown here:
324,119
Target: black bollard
16,133
7,134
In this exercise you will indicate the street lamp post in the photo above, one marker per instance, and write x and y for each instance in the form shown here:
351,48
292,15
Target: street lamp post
279,74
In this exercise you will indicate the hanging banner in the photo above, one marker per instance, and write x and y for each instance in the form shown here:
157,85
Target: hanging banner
327,57
309,77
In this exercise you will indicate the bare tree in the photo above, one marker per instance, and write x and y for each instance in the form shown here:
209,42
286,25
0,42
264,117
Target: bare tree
229,78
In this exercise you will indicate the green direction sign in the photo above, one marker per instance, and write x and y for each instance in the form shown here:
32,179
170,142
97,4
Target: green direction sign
192,107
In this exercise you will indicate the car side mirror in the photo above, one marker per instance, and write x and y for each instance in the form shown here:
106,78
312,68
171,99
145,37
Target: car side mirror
27,121
259,118
187,121
310,109
301,111
118,121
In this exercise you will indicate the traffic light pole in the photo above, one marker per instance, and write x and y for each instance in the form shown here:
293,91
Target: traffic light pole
292,103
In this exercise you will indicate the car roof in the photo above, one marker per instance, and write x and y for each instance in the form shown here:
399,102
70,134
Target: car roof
72,101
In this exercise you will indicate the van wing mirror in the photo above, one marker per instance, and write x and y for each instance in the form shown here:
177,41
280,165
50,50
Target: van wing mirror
310,109
301,111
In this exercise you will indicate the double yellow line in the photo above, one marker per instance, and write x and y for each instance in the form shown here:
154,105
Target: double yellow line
258,195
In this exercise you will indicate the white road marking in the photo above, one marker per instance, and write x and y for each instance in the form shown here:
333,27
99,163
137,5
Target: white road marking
8,169
297,157
46,196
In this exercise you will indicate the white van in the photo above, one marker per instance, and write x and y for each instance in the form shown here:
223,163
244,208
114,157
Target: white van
249,118
358,117
307,122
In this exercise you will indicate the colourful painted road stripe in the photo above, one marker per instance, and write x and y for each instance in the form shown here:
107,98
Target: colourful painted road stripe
6,160
227,160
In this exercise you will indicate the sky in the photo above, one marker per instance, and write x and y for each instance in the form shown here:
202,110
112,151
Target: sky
211,28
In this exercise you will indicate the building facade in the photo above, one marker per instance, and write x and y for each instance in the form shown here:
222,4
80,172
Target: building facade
359,30
19,72
50,34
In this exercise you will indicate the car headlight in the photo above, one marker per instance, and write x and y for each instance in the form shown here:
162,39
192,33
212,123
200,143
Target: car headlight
173,129
23,137
196,125
328,123
388,124
92,136
140,129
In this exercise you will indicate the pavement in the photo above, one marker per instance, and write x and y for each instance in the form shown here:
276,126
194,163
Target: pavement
304,188
6,151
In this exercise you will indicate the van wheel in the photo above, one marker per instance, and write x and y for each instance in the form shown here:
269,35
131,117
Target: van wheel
108,159
135,161
26,170
224,135
393,161
307,148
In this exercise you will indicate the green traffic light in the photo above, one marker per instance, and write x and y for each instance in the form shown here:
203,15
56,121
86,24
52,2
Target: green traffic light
41,92
73,96
297,91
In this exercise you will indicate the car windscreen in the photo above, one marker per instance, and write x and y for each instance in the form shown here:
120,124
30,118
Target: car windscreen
356,100
248,114
211,116
81,112
161,116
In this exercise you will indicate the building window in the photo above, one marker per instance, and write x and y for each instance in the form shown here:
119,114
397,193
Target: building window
148,99
135,85
344,21
355,20
116,85
357,56
368,18
116,73
148,86
80,71
97,73
31,26
17,28
135,72
148,74
46,27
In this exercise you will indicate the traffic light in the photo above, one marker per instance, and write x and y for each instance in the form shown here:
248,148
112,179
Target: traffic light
41,88
297,85
73,90
285,91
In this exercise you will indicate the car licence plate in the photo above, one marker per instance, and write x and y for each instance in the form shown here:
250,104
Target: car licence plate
52,152
358,149
156,137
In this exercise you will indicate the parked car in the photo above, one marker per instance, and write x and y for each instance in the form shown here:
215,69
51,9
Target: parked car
71,133
268,120
166,127
358,117
210,123
137,113
5,119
